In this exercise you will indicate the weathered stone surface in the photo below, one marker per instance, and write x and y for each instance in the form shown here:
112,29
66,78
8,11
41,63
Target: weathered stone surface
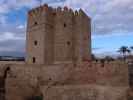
63,77
85,92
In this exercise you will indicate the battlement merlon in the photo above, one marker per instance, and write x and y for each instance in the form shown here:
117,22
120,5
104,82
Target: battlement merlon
82,13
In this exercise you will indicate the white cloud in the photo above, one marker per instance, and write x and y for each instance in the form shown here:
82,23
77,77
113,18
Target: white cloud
9,36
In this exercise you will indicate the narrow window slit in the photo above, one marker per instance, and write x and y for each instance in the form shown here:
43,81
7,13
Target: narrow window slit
34,59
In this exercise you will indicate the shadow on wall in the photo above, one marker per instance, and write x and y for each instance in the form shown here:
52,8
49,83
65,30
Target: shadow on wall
2,84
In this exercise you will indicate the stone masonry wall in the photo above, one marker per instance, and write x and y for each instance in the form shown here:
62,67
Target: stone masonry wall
85,92
112,73
23,80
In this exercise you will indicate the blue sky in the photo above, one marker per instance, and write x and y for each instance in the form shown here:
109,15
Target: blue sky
112,23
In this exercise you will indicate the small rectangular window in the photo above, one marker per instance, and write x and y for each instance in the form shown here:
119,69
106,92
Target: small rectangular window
35,42
34,59
35,23
64,24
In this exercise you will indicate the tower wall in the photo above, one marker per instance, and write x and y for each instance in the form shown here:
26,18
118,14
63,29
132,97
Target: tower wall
86,33
40,30
63,35
49,22
82,37
35,33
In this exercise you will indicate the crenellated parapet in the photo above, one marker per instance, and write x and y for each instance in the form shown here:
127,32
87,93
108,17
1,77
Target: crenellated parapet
42,13
47,9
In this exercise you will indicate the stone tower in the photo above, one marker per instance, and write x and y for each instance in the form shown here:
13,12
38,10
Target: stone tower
56,35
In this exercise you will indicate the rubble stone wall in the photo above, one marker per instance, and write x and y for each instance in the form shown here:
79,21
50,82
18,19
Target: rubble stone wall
24,79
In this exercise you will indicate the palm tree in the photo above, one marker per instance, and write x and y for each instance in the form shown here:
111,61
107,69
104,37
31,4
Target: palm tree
123,50
131,48
128,51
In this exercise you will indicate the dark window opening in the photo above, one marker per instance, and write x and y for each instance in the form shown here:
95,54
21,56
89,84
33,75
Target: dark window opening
50,79
35,23
8,69
64,24
34,59
68,43
35,42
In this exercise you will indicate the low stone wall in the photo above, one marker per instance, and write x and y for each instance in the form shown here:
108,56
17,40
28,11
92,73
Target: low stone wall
106,78
114,73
